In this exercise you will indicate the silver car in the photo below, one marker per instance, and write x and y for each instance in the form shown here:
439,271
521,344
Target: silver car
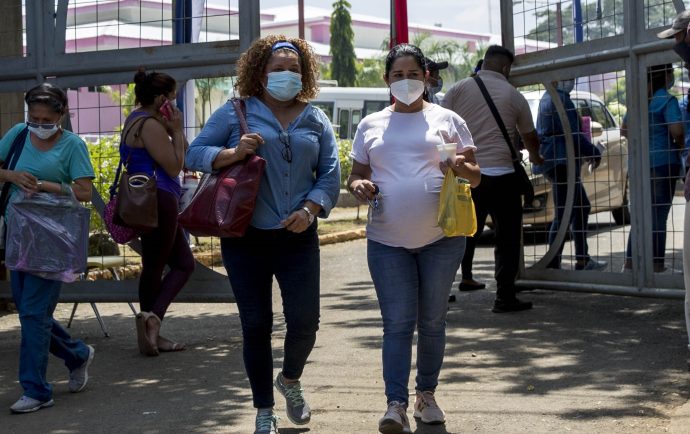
607,185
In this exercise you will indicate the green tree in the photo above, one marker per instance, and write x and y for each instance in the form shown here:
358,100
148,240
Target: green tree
105,157
616,94
370,73
342,48
204,88
461,60
596,23
123,99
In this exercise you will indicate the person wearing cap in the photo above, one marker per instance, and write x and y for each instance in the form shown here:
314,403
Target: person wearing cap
434,82
276,77
679,32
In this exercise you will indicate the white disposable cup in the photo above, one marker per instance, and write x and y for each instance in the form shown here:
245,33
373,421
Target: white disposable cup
447,150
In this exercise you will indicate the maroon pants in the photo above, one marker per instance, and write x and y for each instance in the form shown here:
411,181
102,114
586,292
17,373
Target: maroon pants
165,245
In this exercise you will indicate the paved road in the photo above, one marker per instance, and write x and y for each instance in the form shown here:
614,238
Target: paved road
576,363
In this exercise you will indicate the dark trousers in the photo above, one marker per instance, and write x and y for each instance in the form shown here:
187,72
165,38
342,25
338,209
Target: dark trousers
498,196
578,218
251,262
165,245
663,181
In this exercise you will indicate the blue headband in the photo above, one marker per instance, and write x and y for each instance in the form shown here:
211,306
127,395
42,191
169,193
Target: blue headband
284,45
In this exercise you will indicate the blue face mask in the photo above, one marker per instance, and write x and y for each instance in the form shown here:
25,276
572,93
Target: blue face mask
284,85
436,89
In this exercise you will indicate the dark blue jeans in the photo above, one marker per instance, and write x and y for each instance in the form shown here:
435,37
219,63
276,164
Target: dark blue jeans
36,299
578,219
663,181
252,261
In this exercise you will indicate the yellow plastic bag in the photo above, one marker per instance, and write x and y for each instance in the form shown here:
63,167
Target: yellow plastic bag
456,214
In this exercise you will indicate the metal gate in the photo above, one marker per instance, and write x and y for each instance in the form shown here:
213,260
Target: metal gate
607,43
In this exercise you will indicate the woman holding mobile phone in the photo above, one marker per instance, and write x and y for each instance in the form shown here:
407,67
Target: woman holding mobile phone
153,142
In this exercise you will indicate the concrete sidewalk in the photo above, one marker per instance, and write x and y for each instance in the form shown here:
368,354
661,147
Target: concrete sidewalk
576,363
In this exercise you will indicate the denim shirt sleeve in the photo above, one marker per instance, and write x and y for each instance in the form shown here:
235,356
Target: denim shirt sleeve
213,138
327,186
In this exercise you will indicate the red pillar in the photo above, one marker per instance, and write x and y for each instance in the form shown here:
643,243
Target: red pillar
399,31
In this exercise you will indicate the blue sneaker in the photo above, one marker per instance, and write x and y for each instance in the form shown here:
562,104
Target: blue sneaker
297,409
266,422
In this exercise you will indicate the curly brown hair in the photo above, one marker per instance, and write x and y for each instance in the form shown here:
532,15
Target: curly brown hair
251,65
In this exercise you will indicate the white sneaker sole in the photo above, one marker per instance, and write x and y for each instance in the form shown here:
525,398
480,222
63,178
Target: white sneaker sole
32,409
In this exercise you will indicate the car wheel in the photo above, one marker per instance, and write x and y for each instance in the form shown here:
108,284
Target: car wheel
622,215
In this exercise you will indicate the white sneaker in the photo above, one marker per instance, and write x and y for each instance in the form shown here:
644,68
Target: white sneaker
29,405
426,409
395,420
80,376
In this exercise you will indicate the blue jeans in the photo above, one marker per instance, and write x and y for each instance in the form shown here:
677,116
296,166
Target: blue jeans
251,262
578,219
36,299
412,286
663,181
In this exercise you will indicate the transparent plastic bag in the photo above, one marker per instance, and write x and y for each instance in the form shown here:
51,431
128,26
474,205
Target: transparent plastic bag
47,235
456,214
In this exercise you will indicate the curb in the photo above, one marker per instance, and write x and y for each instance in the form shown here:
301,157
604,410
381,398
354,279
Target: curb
339,237
212,259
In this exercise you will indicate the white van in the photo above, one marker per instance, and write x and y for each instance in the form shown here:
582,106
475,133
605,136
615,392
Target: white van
346,106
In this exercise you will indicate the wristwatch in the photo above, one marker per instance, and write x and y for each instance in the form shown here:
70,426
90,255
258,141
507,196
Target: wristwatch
310,215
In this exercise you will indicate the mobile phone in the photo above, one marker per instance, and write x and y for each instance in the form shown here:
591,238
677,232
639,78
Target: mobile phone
166,110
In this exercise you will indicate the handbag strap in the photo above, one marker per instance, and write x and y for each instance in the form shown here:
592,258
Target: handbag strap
140,120
497,116
9,164
241,111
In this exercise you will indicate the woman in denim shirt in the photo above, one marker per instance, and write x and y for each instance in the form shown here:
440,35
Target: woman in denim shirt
277,76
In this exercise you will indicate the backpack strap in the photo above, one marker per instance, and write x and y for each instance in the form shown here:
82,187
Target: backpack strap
10,163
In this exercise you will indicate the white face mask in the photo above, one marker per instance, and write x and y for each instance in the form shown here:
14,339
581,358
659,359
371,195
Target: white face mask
42,132
407,91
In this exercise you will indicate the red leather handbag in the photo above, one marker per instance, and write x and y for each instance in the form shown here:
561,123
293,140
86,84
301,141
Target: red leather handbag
223,204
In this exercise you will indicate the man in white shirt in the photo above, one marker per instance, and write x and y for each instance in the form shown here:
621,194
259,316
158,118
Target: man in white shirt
498,194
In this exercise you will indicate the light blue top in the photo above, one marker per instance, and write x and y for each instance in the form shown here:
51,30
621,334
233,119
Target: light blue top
313,174
663,110
686,124
66,161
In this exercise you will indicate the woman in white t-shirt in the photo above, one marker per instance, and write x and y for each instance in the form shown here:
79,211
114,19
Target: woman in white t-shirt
398,169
